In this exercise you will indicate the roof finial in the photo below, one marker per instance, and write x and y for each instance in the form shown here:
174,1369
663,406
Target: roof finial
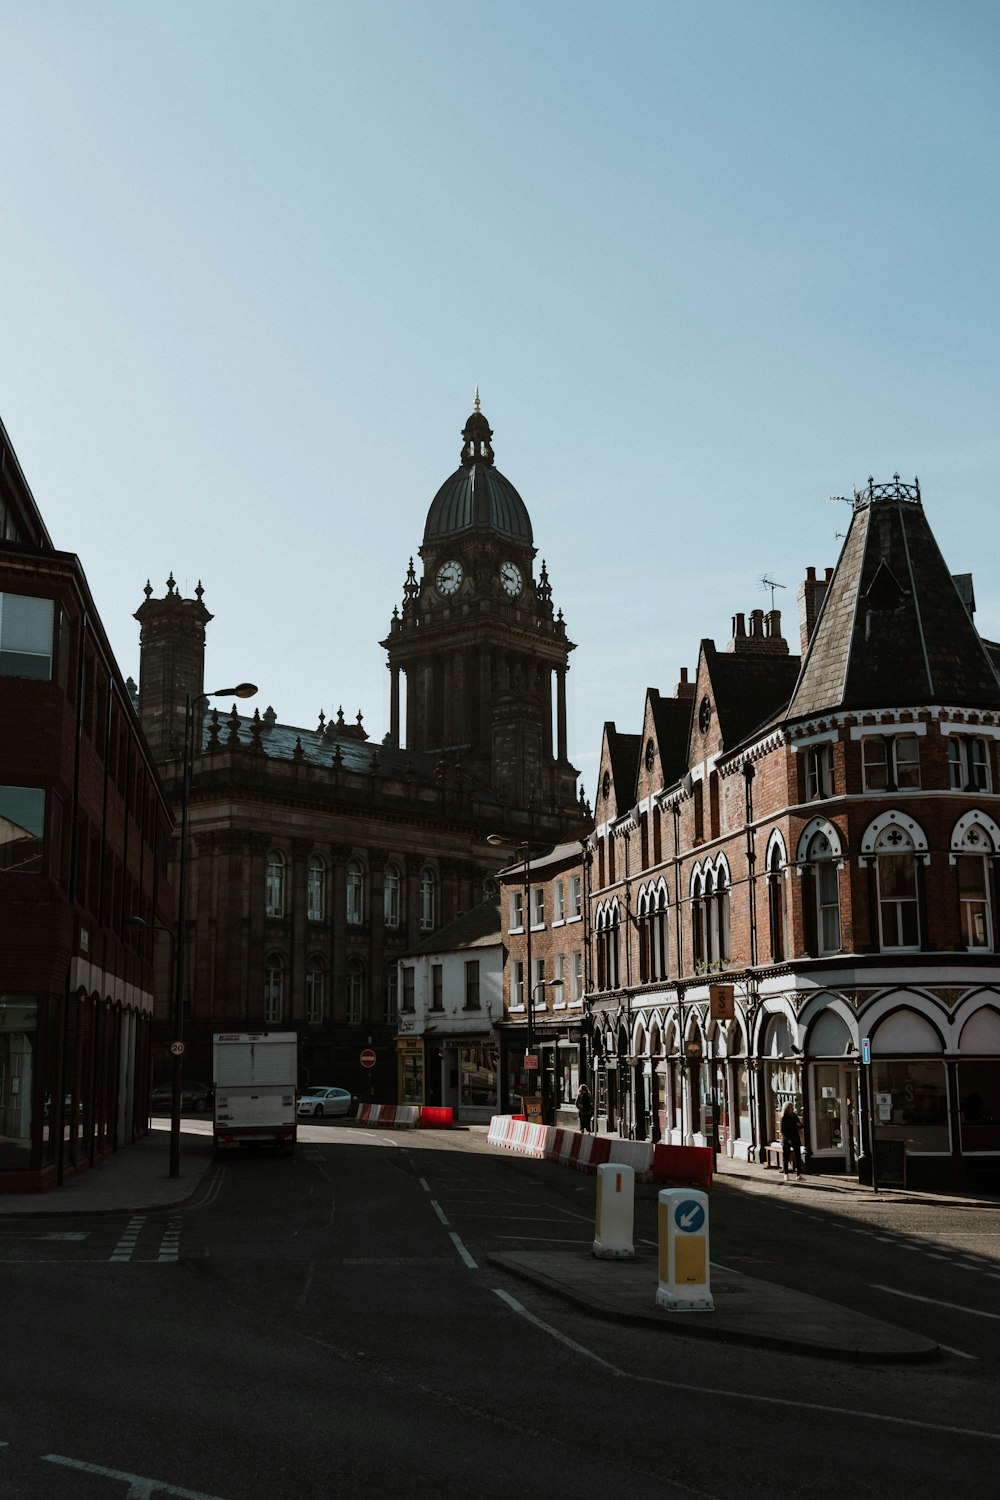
476,401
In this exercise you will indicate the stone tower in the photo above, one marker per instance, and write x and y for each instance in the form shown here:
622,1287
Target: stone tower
172,664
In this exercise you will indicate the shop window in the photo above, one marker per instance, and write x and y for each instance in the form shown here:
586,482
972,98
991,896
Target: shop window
355,892
974,900
18,1035
911,1100
274,888
968,763
979,1105
390,896
274,990
316,890
472,984
428,900
26,634
891,762
315,994
478,1074
22,829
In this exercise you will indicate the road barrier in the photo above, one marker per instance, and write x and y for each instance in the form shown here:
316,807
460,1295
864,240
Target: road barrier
690,1166
407,1116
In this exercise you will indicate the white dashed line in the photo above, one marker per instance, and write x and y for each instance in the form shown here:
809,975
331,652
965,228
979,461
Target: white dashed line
467,1258
125,1248
440,1212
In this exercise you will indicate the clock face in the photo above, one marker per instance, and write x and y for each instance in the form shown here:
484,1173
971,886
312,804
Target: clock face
510,577
449,577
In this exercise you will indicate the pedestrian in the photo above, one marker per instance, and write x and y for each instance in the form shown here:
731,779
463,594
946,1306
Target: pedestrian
584,1107
791,1141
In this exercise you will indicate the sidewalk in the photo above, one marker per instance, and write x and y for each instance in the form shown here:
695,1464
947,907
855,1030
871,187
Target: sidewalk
760,1179
747,1311
135,1179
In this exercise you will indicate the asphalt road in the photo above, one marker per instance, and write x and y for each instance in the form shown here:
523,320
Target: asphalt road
330,1326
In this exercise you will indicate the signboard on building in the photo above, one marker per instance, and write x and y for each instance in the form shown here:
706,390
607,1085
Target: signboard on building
721,1002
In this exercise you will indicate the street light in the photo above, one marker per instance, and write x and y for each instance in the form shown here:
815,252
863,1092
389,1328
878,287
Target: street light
191,704
523,851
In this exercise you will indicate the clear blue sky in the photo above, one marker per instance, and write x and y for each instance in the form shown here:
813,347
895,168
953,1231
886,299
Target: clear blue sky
710,264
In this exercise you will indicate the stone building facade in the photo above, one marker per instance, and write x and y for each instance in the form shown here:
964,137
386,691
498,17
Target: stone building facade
793,870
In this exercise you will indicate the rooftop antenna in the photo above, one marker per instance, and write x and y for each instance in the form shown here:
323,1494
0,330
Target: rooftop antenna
769,583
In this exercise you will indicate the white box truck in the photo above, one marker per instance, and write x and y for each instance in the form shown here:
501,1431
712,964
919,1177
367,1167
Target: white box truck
255,1074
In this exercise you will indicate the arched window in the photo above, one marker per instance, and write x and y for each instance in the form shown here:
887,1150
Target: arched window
428,899
316,890
355,894
614,948
643,907
896,875
355,992
274,989
390,896
776,903
823,893
697,923
975,840
661,962
315,993
274,887
608,934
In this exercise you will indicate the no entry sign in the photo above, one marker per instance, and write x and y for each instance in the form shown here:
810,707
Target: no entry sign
368,1058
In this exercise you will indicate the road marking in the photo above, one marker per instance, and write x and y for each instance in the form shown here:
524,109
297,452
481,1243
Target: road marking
542,1239
424,1184
140,1488
561,1338
440,1212
308,1284
171,1243
125,1247
952,1306
960,1352
463,1252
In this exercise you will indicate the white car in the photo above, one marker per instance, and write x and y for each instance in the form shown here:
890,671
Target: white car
326,1101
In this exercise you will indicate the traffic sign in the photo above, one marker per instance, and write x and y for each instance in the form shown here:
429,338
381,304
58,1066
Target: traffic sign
368,1058
866,1049
689,1215
178,1048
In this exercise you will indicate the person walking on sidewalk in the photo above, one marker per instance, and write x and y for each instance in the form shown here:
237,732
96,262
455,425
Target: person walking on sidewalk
791,1141
584,1107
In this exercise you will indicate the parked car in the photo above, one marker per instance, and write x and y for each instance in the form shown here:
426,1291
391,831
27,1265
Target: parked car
193,1096
322,1101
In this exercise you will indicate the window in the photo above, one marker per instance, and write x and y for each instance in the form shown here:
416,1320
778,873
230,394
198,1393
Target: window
517,985
576,975
653,935
26,631
608,931
274,894
437,987
710,920
22,829
355,894
575,895
390,896
472,984
355,993
516,911
315,993
819,772
824,895
559,902
968,763
891,762
428,900
776,905
896,875
974,900
559,994
538,906
390,994
274,989
408,987
316,890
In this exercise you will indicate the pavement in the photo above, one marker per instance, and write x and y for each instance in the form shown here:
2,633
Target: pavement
747,1310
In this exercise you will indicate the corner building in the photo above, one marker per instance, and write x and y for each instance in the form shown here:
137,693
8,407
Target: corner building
794,867
318,857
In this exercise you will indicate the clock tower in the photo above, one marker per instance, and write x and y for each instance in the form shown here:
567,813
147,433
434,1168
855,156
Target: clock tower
483,655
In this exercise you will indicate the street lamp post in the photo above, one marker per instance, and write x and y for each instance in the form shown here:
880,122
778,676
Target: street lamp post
192,703
523,851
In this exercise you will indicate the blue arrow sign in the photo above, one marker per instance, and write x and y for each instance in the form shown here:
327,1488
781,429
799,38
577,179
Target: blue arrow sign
866,1049
689,1215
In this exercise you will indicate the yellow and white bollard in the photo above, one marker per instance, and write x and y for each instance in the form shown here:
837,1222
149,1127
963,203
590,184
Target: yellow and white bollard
685,1279
613,1238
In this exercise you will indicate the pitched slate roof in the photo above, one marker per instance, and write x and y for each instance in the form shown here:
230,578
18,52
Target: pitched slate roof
749,690
623,750
478,928
894,629
672,723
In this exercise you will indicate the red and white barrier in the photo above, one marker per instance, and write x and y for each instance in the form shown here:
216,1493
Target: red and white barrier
406,1116
687,1165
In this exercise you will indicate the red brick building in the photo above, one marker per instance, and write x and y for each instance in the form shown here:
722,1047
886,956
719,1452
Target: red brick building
793,867
83,839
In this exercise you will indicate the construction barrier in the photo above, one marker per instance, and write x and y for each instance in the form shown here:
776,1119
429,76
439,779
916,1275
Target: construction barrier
690,1166
407,1116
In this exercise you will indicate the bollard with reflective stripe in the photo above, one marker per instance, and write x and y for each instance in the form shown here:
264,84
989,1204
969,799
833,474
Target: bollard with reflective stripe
685,1281
613,1238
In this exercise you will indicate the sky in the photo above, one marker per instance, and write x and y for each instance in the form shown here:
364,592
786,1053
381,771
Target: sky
709,264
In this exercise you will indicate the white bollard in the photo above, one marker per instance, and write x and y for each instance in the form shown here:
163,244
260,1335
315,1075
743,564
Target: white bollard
685,1279
613,1239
